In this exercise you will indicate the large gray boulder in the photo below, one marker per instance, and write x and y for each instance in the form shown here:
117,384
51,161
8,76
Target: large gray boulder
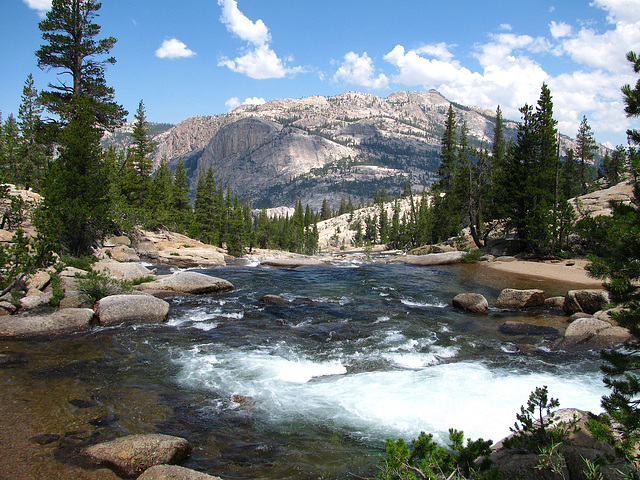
512,298
60,322
117,309
445,258
292,262
131,455
123,271
174,472
588,301
471,302
189,283
589,333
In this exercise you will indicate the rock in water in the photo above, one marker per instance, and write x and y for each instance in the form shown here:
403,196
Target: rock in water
117,309
190,283
471,302
131,455
174,472
587,301
512,298
63,321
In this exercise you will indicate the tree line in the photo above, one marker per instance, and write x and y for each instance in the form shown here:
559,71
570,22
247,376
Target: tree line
90,192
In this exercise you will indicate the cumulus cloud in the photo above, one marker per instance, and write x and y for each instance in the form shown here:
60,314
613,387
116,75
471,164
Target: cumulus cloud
259,61
511,72
234,102
174,48
559,30
438,50
42,6
359,70
237,23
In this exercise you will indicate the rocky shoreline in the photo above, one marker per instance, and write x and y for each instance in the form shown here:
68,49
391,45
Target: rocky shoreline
589,325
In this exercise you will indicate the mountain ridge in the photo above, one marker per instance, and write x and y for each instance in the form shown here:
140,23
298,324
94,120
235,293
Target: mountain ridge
317,147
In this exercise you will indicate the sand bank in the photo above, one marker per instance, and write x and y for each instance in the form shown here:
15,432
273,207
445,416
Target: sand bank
567,271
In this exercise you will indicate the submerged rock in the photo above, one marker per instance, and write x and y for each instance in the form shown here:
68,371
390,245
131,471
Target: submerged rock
512,298
131,455
471,302
521,328
275,300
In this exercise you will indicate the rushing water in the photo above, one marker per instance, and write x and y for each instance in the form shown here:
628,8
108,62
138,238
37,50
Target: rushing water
365,351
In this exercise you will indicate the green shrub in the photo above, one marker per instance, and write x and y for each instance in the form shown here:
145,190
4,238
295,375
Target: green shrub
83,262
431,461
472,256
535,431
56,287
95,286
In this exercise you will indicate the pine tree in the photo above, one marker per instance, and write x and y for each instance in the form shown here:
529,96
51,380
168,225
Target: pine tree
32,151
75,210
136,173
613,166
180,207
586,149
71,46
618,262
448,153
11,150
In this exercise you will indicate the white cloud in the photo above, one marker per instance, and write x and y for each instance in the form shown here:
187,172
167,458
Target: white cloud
259,61
506,26
174,48
234,102
359,70
237,23
620,10
42,6
559,30
438,50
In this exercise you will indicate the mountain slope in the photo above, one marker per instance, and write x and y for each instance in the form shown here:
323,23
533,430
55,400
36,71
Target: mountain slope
323,147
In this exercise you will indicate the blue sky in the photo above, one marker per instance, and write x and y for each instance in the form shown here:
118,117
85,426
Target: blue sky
203,57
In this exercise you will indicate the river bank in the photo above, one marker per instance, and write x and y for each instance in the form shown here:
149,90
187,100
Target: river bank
364,350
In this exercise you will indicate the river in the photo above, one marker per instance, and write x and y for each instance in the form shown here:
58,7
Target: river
364,352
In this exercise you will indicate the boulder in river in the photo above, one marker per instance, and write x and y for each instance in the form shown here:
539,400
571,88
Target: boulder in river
189,283
512,298
117,309
471,302
59,322
588,301
444,258
293,262
174,472
131,455
275,300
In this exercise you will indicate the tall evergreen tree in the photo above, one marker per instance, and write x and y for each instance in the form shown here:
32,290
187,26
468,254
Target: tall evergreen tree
618,262
72,47
586,148
32,151
448,152
75,209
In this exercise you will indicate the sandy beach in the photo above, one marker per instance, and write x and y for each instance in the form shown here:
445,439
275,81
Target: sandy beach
568,271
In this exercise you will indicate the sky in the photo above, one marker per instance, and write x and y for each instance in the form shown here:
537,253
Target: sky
206,57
